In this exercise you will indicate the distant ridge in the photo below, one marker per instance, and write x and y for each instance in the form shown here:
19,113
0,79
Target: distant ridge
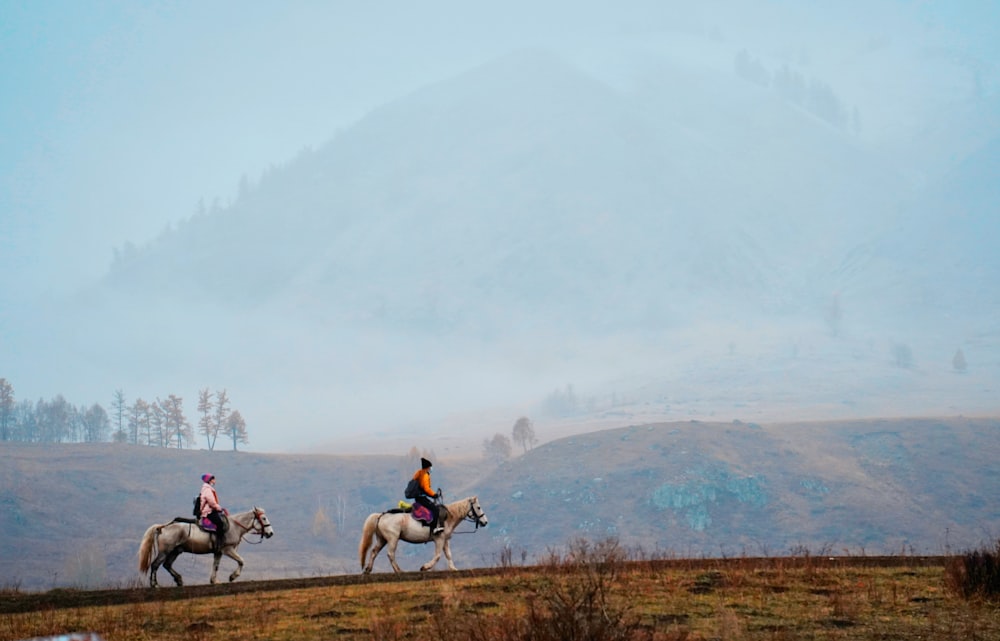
74,514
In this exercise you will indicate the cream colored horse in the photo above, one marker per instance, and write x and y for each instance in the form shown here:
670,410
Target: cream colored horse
162,544
389,528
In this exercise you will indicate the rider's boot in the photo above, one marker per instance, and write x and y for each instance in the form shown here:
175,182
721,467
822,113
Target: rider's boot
437,528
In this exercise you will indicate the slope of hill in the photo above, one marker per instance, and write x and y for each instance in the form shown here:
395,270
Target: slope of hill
74,514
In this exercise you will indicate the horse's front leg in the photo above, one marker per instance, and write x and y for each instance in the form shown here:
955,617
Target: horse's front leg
437,555
447,553
169,566
216,557
231,553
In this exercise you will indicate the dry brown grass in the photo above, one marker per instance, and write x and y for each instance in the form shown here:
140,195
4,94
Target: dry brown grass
730,599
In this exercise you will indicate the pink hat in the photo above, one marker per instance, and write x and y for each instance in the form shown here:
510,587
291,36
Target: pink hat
207,477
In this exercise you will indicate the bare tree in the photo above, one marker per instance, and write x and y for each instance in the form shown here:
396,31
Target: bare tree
54,420
497,449
25,426
156,427
236,428
118,415
95,424
206,425
138,421
6,409
524,433
176,428
221,413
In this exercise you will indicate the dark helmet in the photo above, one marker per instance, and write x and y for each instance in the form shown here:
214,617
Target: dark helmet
424,463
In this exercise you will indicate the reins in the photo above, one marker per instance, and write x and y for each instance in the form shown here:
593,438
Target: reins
251,528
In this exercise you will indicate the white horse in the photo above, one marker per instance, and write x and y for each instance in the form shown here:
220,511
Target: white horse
391,527
163,543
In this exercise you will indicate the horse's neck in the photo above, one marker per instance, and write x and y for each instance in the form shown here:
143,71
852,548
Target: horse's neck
244,520
457,510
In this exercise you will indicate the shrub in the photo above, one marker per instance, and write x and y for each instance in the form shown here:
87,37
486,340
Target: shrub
975,573
581,604
575,602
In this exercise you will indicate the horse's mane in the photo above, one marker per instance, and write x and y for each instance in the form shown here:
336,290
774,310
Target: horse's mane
456,511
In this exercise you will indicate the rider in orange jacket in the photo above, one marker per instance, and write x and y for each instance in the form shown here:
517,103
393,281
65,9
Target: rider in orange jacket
427,496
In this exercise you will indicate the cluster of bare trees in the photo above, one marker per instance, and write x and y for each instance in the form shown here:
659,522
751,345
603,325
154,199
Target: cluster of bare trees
216,419
53,421
162,423
499,447
159,423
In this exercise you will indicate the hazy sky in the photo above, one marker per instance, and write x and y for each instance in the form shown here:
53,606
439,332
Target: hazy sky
118,117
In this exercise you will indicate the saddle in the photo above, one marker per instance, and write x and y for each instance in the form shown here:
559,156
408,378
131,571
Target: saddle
203,524
206,524
415,510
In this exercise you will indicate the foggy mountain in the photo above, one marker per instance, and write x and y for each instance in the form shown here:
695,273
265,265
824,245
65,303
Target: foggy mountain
528,224
528,191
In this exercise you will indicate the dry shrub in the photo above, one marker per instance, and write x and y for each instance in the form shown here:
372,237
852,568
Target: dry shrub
975,573
576,601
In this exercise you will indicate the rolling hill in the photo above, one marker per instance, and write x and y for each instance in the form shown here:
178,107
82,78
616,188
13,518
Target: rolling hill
73,515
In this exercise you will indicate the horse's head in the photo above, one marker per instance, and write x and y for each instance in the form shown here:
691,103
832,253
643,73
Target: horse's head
476,512
260,517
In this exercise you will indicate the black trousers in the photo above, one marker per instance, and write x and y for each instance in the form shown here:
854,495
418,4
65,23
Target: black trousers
216,517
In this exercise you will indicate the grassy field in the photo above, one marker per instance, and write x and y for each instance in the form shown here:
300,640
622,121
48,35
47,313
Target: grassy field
592,593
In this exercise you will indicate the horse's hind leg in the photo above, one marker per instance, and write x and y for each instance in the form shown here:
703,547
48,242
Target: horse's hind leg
376,547
153,567
391,553
168,565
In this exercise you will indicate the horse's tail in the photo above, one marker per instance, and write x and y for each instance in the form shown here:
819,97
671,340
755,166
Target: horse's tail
367,534
148,547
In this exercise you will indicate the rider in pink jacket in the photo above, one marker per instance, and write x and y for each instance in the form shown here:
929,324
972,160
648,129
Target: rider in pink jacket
211,509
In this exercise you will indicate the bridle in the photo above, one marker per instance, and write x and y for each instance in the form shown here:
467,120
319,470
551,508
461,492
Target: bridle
474,515
254,522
